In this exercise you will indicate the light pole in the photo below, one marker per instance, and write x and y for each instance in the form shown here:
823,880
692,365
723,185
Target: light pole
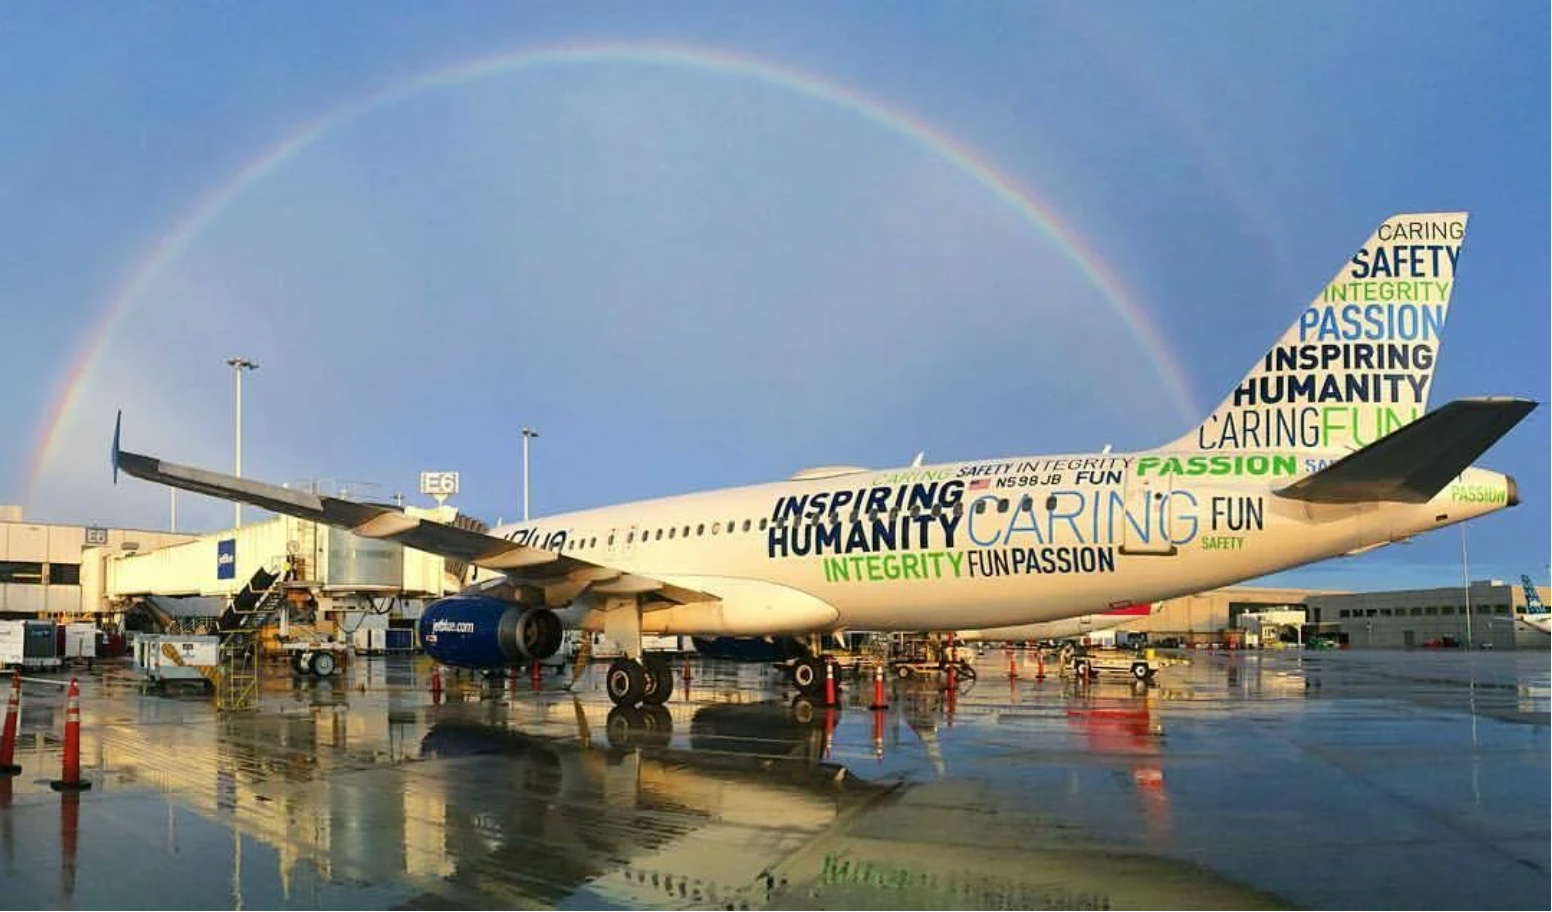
238,366
1465,571
528,432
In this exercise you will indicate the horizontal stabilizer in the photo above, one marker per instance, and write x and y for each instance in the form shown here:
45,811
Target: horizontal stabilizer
1414,463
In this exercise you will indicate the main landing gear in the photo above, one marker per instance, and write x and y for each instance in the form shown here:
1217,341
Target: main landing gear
649,681
810,674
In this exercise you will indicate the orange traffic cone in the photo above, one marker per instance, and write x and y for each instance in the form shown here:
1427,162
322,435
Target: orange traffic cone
70,774
13,708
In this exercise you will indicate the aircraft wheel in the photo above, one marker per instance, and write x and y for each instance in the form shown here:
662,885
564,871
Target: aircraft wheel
625,682
809,675
323,664
659,680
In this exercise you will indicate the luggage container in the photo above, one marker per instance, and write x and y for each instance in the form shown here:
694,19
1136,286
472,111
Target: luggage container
80,641
160,658
370,640
13,637
30,644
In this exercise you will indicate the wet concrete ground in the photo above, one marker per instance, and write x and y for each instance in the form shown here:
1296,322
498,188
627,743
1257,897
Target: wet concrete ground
1242,780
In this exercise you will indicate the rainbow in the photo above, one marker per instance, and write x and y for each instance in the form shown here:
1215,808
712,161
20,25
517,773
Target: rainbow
961,156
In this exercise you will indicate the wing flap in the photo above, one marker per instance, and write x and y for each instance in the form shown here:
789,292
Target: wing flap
1416,462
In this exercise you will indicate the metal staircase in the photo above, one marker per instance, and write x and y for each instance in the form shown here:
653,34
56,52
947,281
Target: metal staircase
236,678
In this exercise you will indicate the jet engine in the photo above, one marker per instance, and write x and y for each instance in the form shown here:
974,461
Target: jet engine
477,631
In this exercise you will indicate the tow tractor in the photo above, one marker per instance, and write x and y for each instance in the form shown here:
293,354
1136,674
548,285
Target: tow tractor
313,655
923,657
1138,664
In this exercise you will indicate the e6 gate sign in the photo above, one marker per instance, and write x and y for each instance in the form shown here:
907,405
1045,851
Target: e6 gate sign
439,484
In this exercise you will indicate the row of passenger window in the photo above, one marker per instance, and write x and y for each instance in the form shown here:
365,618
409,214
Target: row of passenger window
669,533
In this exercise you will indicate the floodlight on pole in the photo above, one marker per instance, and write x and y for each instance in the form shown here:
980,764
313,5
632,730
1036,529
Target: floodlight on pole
528,432
238,365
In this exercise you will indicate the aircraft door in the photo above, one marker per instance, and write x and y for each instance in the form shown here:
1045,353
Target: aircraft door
1145,521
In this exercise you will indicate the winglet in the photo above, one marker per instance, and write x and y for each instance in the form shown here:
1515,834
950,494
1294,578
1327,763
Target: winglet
117,421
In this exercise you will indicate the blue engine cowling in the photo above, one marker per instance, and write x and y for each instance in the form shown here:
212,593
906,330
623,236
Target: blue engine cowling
476,631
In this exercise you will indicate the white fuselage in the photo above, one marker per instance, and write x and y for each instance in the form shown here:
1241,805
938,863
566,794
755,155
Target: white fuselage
1064,629
981,544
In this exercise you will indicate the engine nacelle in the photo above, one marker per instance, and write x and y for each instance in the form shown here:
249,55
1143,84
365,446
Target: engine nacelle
476,631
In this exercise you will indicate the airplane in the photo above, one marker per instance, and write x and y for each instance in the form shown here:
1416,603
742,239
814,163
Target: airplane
1064,629
1536,615
1325,448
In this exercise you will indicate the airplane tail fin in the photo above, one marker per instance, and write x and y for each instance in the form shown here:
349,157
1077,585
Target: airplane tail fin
1359,361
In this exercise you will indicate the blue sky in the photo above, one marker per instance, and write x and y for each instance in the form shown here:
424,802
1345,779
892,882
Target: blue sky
686,277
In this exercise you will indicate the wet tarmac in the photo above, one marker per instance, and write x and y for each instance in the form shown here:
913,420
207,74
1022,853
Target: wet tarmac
1242,780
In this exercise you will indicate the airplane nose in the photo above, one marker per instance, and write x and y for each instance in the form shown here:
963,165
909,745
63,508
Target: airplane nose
1514,490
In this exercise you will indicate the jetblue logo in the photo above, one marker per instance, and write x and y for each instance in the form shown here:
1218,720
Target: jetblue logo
452,627
226,559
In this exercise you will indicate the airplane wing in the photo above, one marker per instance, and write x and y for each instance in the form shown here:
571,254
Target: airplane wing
558,577
1416,462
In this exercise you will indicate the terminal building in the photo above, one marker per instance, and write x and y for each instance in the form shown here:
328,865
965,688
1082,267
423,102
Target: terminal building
42,565
93,573
1359,620
1490,614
